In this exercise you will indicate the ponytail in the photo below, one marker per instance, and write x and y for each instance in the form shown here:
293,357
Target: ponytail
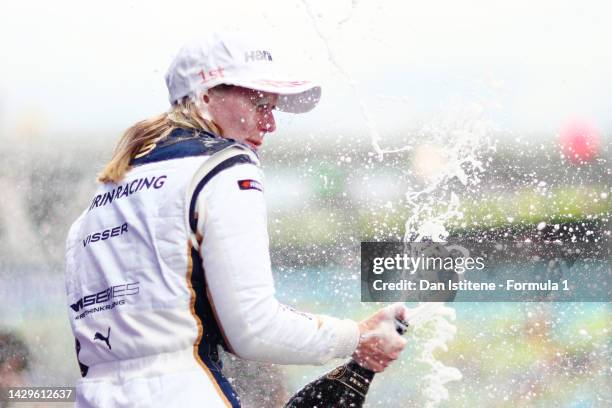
142,137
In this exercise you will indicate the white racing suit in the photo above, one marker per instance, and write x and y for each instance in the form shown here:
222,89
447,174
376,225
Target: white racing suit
172,263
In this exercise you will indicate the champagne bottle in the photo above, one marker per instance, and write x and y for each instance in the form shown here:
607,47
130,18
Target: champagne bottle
344,386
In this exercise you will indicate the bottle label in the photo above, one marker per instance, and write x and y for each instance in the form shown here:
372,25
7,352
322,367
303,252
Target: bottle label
337,373
350,379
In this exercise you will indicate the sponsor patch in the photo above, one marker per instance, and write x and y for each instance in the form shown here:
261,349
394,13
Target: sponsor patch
127,189
106,299
257,55
250,185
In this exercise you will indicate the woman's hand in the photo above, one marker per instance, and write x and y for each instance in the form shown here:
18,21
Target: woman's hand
379,342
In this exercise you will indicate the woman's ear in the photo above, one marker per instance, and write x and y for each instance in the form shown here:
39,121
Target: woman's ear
205,98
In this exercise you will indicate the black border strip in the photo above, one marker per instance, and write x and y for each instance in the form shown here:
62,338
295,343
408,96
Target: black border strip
232,161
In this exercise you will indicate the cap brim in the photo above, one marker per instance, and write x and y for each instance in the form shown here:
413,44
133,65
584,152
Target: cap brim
300,102
294,96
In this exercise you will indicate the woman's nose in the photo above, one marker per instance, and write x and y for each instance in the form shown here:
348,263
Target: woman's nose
268,122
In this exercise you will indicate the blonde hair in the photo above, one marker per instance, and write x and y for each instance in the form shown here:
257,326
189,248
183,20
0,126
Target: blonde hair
143,136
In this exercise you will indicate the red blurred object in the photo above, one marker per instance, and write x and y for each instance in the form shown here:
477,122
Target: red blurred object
579,141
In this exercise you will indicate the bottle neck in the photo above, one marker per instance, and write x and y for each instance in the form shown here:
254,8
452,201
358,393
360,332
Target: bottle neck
354,376
364,372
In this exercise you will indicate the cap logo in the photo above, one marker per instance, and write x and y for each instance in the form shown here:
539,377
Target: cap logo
257,56
213,73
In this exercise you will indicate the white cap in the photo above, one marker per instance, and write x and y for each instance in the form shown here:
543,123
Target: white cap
242,60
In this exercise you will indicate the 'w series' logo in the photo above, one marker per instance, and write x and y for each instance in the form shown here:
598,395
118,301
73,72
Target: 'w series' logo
111,293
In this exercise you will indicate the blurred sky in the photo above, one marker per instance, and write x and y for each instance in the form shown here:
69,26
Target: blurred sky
74,66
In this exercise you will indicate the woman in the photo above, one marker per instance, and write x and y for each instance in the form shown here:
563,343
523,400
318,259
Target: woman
170,260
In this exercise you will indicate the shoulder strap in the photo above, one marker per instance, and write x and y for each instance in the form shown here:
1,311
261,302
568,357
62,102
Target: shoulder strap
219,161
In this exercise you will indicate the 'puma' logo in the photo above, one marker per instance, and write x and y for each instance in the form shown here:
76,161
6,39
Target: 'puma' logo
99,336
